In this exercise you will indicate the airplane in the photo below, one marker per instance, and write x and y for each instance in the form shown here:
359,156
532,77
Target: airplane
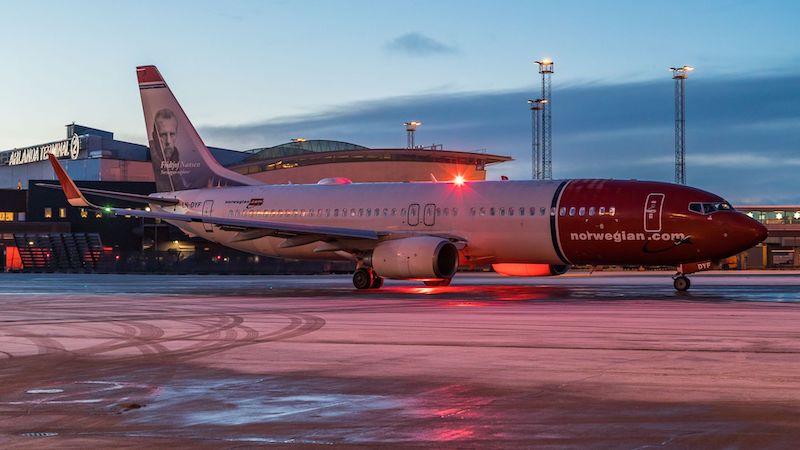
425,230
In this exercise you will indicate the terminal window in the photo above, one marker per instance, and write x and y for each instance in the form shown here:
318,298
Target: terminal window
48,213
62,213
6,216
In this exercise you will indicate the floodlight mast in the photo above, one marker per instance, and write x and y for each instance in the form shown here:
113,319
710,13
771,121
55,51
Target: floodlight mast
411,128
680,74
546,70
536,107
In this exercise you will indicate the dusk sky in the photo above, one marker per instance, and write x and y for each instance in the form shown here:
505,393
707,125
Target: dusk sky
253,74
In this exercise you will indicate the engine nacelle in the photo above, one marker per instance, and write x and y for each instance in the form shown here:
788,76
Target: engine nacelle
423,257
529,270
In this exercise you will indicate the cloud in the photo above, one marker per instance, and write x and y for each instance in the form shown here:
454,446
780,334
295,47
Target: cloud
418,44
727,160
743,134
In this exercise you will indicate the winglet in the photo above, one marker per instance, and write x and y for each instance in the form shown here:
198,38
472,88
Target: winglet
74,196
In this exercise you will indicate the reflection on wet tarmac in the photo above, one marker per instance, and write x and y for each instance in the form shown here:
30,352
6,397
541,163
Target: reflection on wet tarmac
608,361
466,287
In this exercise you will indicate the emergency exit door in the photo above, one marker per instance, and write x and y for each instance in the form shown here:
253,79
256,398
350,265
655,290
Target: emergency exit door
208,207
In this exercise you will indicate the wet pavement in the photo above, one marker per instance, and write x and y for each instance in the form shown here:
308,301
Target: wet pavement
607,360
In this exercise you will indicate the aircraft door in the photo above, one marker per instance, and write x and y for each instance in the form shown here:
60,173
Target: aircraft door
652,212
429,215
208,206
413,214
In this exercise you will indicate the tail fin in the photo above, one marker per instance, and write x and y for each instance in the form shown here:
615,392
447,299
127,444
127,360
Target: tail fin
180,158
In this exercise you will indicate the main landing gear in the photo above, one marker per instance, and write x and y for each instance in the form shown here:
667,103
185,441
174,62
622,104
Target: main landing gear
366,278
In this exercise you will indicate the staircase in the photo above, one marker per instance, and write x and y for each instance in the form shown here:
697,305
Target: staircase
59,252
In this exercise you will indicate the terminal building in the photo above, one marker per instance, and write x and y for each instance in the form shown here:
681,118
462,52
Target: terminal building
40,231
782,247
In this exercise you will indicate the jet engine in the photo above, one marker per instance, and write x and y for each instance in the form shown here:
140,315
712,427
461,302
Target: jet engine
529,270
423,257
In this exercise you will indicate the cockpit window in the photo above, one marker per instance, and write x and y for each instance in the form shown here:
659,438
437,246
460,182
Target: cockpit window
709,207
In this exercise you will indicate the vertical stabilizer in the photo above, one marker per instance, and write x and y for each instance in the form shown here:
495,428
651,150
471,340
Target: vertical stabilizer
180,158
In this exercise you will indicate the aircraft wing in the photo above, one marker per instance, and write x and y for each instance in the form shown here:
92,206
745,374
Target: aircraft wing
135,198
235,224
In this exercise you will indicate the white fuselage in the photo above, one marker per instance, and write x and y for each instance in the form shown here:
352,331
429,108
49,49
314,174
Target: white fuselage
505,221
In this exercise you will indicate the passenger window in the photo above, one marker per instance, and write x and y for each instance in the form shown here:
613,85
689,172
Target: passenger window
402,212
542,210
394,211
385,212
446,211
611,211
602,211
532,211
472,211
502,212
591,210
582,211
563,211
572,211
522,211
491,211
483,211
510,211
455,212
336,212
360,212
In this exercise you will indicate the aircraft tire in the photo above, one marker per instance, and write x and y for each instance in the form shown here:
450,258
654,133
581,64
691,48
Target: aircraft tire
377,282
681,283
363,278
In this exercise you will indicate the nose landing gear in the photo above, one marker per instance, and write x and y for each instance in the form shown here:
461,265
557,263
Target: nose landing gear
681,283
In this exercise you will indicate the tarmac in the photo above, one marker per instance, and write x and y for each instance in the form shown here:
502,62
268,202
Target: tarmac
607,360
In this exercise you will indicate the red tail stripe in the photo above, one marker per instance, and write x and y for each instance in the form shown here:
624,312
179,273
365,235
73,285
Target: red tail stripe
148,74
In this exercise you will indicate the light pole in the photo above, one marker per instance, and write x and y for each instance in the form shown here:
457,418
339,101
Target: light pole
536,130
546,70
411,128
679,74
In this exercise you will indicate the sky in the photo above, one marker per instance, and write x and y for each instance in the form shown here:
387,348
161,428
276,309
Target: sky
254,74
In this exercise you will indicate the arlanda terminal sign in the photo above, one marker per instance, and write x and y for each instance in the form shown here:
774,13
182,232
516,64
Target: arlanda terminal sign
61,149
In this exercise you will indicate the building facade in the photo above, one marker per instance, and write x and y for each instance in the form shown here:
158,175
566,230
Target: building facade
781,250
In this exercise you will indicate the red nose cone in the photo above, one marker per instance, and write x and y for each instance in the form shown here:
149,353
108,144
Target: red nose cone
761,232
749,232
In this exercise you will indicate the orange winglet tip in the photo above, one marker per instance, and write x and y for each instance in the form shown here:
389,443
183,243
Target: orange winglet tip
74,196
